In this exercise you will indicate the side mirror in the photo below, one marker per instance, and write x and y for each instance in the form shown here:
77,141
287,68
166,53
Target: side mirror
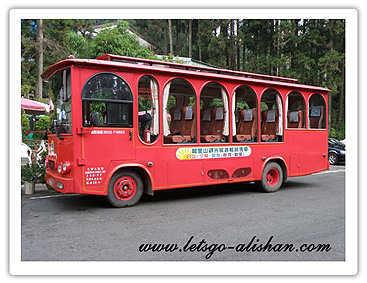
94,119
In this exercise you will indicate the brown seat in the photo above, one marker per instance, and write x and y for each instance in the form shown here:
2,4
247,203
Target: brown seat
187,130
316,117
175,125
295,119
269,125
216,128
247,127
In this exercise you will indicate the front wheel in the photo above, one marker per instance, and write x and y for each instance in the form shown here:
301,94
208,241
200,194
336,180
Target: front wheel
272,177
125,189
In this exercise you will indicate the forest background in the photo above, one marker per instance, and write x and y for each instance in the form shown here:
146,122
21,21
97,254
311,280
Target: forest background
311,50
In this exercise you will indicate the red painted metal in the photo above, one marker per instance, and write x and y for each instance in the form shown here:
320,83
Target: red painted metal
272,177
96,153
125,188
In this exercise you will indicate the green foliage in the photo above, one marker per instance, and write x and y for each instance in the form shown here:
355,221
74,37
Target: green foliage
241,104
33,172
25,122
311,50
27,89
216,102
118,41
79,45
100,107
43,123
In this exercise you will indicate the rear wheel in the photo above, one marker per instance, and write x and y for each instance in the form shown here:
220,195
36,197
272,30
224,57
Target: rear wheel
272,177
125,189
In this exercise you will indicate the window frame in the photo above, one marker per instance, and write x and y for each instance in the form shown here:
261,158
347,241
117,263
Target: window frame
287,106
164,112
226,106
325,118
233,110
158,106
280,127
130,120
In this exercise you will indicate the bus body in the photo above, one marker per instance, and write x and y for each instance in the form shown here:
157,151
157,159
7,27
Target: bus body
126,126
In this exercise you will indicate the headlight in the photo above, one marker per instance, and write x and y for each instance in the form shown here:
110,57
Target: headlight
342,151
66,167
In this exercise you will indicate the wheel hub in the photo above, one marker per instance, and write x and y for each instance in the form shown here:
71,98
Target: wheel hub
272,177
125,188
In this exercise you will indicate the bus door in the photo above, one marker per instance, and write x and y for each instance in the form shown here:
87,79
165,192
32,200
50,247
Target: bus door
102,149
107,133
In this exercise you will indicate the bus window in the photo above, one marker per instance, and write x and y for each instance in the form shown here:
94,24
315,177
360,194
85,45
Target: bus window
214,118
148,105
244,115
60,93
108,97
296,115
271,116
317,112
179,102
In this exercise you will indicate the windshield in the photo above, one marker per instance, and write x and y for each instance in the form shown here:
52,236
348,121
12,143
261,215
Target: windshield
60,93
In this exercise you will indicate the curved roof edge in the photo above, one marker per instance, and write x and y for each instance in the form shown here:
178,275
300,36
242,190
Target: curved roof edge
146,64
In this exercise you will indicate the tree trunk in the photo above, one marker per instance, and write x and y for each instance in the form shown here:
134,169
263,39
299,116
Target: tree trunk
38,93
238,45
199,42
232,51
165,42
170,36
341,95
330,78
190,38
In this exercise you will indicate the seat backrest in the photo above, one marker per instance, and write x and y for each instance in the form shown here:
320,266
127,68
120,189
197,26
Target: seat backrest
269,122
316,117
188,125
248,122
205,122
176,120
295,119
217,121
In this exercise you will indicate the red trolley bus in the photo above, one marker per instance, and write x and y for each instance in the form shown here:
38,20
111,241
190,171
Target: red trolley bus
126,126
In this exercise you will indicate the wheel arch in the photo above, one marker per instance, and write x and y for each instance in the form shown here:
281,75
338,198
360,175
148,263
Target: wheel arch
139,169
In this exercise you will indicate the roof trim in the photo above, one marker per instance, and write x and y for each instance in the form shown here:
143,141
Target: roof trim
125,59
183,70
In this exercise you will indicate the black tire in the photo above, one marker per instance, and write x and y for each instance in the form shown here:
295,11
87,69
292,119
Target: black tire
272,178
125,189
333,158
50,189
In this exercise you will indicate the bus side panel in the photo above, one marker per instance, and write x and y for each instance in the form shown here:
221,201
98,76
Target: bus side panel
312,149
185,172
223,169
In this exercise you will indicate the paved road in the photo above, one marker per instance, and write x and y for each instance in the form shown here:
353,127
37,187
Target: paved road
226,223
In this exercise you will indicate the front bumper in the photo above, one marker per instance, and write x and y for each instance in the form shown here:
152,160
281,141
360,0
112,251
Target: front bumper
60,184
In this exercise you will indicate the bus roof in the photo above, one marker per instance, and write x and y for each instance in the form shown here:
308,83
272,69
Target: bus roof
130,62
124,59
